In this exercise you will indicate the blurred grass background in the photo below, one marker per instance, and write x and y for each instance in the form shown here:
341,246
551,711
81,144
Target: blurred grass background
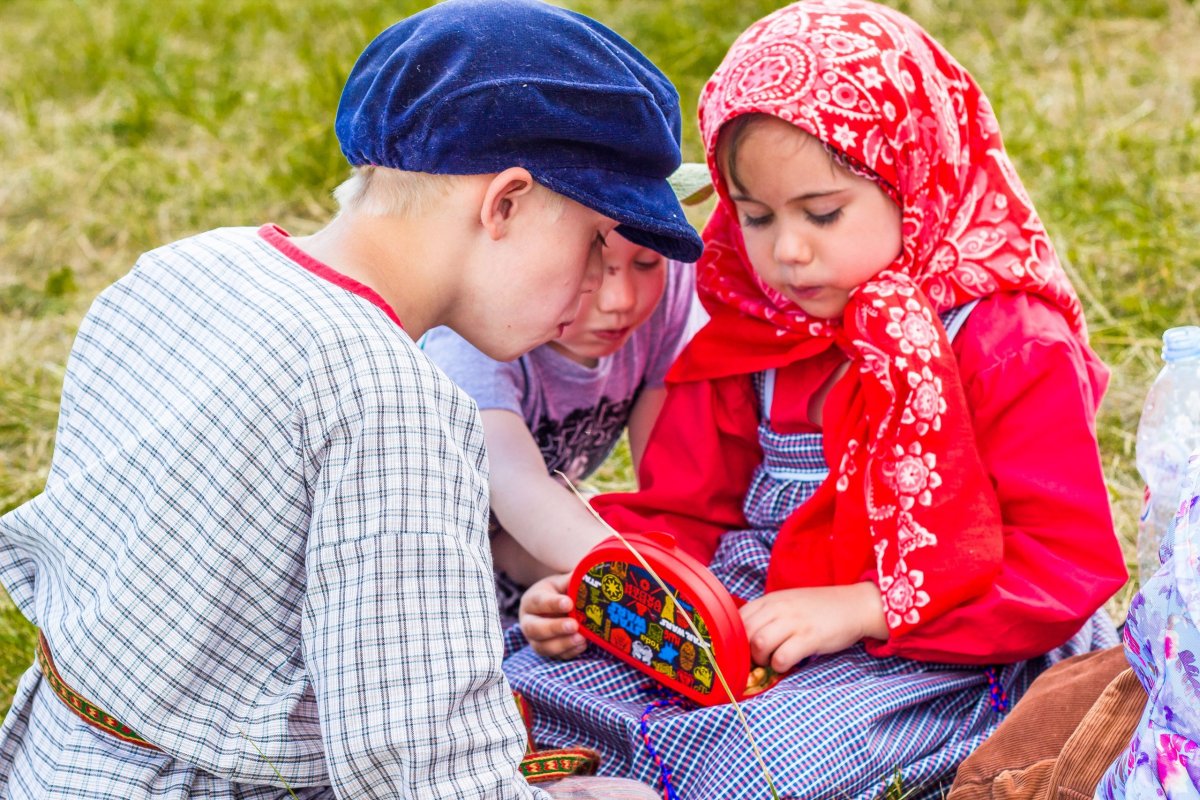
126,124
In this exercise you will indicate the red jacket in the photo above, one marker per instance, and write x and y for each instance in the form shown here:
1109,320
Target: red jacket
1033,391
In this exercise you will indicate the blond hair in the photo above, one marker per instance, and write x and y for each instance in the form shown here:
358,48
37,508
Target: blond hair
384,192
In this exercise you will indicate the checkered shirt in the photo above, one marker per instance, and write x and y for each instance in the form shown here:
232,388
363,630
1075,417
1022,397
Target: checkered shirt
262,545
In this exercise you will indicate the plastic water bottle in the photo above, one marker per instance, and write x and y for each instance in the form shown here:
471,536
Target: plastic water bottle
1167,434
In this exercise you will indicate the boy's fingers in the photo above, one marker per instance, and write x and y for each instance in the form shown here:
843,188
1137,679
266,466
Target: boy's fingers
544,620
537,628
558,582
544,604
560,646
547,597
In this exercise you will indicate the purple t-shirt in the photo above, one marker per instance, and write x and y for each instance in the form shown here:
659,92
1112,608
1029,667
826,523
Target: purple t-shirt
576,413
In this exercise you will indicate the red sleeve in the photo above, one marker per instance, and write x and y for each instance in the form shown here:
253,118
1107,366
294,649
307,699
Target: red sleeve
697,467
1033,409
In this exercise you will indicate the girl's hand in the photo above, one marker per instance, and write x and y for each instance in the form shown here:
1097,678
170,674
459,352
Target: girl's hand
788,626
544,620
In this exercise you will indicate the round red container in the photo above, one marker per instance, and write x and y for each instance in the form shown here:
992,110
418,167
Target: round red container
621,608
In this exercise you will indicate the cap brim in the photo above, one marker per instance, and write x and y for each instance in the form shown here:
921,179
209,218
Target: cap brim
647,210
692,183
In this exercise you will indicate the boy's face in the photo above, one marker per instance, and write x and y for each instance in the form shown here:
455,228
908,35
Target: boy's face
532,286
633,283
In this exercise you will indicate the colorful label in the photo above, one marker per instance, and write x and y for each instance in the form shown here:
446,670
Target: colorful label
623,605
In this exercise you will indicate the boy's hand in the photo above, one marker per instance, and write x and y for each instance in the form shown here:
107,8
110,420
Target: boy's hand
788,626
544,620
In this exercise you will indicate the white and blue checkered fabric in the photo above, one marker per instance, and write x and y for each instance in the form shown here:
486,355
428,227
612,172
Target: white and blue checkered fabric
262,545
793,467
838,726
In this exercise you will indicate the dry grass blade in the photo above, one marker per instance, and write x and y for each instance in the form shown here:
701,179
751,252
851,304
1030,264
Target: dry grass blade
762,764
263,756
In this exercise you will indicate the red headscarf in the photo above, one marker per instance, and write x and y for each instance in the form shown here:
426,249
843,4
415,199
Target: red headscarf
908,488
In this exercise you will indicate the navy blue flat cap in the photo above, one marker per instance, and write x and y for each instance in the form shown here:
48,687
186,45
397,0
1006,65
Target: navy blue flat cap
471,87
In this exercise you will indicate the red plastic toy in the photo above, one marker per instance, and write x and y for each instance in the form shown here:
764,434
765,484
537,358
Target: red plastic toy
622,609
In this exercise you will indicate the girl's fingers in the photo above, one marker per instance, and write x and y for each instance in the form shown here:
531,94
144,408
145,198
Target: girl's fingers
764,640
751,613
779,645
790,652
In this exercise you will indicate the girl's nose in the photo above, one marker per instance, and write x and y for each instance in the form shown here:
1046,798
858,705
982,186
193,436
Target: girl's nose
792,248
617,291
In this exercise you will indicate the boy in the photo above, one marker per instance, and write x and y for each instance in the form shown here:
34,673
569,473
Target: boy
261,555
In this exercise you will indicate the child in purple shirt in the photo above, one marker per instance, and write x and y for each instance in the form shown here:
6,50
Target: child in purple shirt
563,406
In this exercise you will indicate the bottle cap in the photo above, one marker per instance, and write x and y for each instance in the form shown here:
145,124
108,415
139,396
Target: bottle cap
1181,344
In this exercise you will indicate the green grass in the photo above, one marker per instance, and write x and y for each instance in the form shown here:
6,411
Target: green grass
126,124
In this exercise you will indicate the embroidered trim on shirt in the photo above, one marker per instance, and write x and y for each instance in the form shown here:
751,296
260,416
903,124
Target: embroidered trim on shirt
278,238
83,708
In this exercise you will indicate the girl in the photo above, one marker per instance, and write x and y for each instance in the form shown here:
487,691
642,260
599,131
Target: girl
884,440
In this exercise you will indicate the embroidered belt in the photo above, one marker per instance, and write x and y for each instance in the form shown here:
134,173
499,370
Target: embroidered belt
553,765
83,708
539,766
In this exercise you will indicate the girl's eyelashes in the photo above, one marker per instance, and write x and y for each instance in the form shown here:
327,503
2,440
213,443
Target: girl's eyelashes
646,266
822,220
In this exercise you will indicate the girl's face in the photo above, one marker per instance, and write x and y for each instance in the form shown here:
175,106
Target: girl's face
813,230
634,279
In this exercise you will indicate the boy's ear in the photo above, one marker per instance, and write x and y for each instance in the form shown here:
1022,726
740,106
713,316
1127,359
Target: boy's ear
504,195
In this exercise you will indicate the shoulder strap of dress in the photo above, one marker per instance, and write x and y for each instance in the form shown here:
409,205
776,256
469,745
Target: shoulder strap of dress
766,393
954,318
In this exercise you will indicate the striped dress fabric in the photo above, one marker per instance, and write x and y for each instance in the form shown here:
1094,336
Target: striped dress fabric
838,726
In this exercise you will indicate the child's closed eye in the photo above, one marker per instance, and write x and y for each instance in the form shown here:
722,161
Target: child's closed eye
598,246
749,221
824,220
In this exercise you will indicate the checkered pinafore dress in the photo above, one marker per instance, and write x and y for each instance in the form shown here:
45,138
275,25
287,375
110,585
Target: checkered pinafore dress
838,726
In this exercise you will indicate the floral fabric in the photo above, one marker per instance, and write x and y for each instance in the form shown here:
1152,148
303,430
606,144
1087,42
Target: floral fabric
909,487
1162,641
